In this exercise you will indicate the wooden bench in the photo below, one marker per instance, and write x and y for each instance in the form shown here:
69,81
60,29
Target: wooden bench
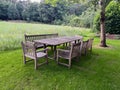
31,38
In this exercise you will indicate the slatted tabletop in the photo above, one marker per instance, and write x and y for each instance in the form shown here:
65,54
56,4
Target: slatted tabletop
59,40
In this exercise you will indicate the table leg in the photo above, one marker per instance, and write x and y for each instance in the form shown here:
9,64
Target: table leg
75,41
55,52
45,47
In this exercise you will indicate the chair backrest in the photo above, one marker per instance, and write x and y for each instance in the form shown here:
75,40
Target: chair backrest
89,45
75,49
85,44
29,49
40,36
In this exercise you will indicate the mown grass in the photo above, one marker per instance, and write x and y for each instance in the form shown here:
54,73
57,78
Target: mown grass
11,33
99,70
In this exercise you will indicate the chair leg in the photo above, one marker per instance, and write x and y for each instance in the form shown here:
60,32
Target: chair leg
69,64
46,59
86,51
24,58
35,64
66,44
57,59
91,49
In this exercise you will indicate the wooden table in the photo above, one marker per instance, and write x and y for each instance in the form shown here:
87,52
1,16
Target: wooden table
58,40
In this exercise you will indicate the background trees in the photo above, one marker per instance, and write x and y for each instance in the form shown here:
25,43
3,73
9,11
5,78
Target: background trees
3,10
78,13
46,13
51,12
13,13
20,6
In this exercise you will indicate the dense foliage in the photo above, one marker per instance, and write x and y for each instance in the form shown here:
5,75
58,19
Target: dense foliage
112,24
3,10
55,12
24,10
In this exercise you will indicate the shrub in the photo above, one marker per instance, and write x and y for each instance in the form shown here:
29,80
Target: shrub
75,22
112,23
96,23
113,18
67,19
57,22
86,19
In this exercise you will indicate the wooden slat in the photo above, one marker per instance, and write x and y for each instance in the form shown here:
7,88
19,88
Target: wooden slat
39,36
58,40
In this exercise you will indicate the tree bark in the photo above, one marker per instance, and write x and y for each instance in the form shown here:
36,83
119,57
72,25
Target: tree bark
102,24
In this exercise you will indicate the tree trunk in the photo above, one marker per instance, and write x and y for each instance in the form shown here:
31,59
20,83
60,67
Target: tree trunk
102,24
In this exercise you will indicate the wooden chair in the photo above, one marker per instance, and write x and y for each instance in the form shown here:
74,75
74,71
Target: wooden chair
89,45
29,51
84,47
74,51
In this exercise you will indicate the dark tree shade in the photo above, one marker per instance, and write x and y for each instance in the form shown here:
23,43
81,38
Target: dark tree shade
13,13
3,10
20,7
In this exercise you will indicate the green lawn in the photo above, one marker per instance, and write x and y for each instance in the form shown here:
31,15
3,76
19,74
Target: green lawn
97,71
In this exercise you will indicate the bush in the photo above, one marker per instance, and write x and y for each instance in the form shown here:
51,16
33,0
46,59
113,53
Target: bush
75,22
113,18
67,19
57,22
96,23
86,19
112,23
